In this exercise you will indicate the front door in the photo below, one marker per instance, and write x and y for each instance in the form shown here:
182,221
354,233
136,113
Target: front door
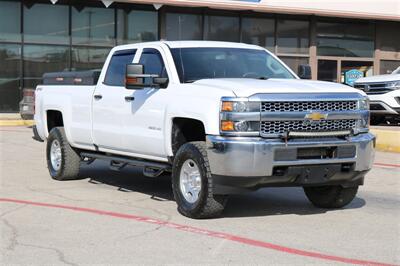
108,103
143,118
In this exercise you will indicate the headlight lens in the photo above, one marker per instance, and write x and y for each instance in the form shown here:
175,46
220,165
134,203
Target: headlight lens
240,106
363,104
394,85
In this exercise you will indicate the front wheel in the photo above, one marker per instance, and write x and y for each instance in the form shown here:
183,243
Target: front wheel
192,183
330,196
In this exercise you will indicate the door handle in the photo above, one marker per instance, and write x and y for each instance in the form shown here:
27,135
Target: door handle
98,96
129,98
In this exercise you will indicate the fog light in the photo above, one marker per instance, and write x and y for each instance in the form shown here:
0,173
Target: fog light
241,126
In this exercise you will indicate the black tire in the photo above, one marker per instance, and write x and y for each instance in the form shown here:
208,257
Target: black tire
330,196
208,205
70,159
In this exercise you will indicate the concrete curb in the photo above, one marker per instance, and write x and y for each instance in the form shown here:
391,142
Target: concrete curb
387,140
16,122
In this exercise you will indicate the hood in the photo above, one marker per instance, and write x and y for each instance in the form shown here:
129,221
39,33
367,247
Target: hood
379,78
243,87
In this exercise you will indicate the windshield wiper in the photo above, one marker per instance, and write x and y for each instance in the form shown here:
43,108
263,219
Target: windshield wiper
263,77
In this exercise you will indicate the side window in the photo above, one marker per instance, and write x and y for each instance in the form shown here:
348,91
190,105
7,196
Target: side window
153,63
115,75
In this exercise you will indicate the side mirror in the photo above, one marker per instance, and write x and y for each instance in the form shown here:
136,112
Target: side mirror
135,78
304,72
161,82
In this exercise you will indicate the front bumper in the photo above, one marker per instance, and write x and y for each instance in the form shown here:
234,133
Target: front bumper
253,162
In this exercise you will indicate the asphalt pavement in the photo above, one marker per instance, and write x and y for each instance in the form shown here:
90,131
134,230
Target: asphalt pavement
115,218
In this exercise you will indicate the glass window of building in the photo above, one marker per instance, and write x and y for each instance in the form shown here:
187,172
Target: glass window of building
10,21
183,26
345,39
10,55
259,31
389,37
137,26
221,28
294,62
92,25
293,36
388,66
46,23
39,59
88,58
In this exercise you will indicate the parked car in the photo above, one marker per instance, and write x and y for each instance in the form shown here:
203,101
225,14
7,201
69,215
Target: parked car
384,94
223,118
27,104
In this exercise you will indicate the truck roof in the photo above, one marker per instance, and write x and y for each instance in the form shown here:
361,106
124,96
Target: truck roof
188,44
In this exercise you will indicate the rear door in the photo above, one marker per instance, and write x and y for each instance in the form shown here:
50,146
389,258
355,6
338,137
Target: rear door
109,101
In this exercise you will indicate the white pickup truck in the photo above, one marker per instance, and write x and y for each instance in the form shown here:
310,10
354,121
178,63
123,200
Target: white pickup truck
224,118
384,95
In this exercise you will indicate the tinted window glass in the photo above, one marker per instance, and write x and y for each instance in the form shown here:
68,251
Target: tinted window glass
389,37
115,75
10,55
259,31
221,28
183,26
137,26
92,25
46,23
293,36
153,64
388,66
294,62
345,39
39,59
208,63
88,58
10,26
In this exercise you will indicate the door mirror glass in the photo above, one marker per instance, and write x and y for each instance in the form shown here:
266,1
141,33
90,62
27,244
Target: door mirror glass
304,72
135,78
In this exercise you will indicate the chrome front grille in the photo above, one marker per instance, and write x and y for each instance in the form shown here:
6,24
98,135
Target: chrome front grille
282,127
302,106
373,88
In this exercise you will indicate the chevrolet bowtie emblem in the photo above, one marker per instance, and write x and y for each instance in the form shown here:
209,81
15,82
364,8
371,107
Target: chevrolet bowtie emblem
316,116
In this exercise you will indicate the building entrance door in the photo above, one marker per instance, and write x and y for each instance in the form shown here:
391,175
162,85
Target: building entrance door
343,70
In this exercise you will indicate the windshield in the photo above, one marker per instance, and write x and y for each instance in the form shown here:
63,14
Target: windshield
204,63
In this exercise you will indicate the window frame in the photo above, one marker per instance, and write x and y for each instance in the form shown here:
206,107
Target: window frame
132,52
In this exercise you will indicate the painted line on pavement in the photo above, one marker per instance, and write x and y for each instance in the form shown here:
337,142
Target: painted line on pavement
385,165
200,231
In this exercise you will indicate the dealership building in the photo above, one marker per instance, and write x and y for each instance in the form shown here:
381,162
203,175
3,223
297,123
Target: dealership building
332,36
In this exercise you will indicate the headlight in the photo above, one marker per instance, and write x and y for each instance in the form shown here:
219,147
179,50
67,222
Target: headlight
363,104
239,116
362,125
394,85
240,106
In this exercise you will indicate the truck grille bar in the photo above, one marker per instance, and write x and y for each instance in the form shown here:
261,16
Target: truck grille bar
316,117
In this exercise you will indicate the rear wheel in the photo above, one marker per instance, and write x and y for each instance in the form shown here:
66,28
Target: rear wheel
330,196
192,183
62,160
